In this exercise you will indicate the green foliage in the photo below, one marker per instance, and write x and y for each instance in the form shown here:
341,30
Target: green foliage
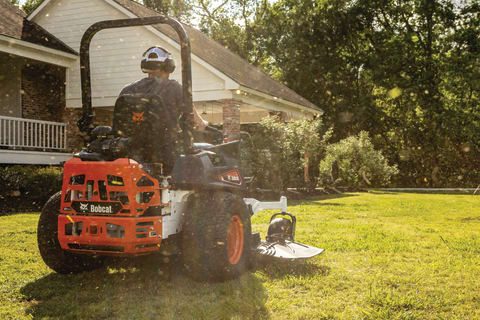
405,71
31,5
27,188
28,5
279,148
316,51
354,162
234,24
180,9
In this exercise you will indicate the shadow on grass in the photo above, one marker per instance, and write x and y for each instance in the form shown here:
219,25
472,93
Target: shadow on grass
331,204
319,199
278,269
391,193
143,288
5,213
333,196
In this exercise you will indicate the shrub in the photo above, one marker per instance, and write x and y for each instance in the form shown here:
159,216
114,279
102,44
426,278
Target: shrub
27,188
353,162
277,157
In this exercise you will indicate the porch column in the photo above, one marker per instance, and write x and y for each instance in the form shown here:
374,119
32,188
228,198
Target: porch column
74,139
231,119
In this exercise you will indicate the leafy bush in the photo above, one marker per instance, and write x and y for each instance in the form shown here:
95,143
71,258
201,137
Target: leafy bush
27,188
277,157
353,162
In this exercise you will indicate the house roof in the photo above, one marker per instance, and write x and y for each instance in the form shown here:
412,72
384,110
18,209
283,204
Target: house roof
223,59
13,23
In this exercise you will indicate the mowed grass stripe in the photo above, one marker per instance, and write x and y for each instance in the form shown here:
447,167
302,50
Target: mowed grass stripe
388,255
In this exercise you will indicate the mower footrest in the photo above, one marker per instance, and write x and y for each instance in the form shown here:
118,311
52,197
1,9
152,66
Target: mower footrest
287,250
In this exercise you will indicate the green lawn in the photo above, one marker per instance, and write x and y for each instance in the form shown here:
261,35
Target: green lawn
388,256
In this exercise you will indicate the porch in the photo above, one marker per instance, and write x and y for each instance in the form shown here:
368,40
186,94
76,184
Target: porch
28,141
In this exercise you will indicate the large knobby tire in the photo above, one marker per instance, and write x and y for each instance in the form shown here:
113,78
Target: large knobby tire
50,250
216,236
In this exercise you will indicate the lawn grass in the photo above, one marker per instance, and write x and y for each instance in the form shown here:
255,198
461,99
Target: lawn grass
388,256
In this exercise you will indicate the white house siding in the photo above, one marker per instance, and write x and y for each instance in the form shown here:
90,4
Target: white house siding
115,54
10,86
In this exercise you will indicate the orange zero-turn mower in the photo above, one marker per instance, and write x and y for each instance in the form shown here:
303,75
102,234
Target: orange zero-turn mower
114,204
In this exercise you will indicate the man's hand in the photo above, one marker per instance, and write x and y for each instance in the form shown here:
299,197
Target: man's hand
199,123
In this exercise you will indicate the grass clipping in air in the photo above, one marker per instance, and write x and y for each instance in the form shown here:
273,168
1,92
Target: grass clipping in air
388,256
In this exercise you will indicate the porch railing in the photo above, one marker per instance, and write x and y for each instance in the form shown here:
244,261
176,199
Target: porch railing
18,133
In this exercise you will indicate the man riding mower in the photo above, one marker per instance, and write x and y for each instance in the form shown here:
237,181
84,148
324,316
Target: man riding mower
125,194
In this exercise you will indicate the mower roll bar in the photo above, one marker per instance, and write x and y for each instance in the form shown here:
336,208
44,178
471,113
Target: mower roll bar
85,123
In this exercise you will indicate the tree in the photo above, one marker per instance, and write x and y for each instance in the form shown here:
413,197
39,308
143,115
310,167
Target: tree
180,9
392,68
30,5
413,47
234,24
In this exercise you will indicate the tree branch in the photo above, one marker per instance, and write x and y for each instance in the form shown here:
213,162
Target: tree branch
410,29
208,14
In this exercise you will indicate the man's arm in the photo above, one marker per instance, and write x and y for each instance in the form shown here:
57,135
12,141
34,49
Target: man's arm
199,122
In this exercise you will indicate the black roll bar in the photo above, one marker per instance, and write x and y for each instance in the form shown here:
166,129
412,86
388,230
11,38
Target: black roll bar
85,123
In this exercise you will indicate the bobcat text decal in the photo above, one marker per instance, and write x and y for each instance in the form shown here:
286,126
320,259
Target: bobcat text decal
97,207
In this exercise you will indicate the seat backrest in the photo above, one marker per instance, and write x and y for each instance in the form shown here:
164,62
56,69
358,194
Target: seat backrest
147,122
129,115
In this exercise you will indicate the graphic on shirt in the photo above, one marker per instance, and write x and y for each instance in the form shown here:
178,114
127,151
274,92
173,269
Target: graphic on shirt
138,117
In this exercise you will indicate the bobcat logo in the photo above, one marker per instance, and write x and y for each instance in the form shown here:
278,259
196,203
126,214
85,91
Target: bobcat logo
83,206
138,117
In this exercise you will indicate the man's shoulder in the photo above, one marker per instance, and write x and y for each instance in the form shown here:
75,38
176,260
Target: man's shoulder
173,83
175,86
153,86
131,86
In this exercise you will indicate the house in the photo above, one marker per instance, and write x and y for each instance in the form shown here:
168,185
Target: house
227,90
33,65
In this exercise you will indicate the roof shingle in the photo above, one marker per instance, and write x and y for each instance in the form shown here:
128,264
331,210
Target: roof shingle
13,23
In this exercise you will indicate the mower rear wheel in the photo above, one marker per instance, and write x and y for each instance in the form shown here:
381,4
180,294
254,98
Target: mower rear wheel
216,236
52,254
